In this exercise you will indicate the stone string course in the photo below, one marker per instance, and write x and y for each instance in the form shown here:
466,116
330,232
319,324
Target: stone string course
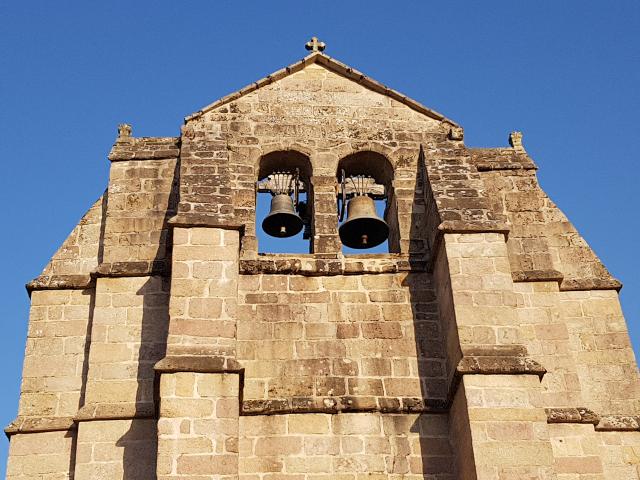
489,344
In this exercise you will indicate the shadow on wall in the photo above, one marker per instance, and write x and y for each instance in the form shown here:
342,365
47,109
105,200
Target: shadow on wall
140,442
87,343
432,428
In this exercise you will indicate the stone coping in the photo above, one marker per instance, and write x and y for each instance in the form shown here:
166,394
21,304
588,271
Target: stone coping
499,365
503,158
198,364
315,265
60,282
498,165
572,415
190,220
601,423
145,148
590,284
39,424
132,269
537,276
618,423
115,411
459,226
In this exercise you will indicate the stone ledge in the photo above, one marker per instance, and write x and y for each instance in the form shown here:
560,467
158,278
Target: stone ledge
618,423
344,404
132,269
313,266
537,276
601,423
459,226
494,166
39,424
115,411
60,282
580,284
198,364
190,220
499,365
572,415
474,350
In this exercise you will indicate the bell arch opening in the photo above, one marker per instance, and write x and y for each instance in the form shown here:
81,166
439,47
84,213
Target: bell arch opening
284,217
367,213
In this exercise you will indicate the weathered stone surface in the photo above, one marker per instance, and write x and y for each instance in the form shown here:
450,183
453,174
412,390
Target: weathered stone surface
612,423
197,364
572,415
499,365
487,344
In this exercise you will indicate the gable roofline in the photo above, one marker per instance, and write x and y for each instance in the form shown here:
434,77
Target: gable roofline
335,66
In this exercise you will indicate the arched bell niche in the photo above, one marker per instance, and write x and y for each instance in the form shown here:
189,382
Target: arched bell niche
276,170
372,173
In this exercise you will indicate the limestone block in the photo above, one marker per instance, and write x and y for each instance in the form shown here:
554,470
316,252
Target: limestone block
117,449
123,351
54,357
34,456
198,428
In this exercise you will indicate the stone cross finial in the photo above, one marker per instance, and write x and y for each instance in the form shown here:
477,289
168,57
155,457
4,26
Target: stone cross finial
124,130
315,45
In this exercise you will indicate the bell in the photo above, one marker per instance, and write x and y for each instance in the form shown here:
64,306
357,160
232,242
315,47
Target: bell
282,221
363,228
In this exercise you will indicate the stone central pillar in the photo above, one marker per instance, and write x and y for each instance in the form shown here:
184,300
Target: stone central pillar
199,377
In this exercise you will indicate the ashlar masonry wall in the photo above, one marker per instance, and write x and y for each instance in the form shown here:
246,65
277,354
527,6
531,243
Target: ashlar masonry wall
373,339
490,344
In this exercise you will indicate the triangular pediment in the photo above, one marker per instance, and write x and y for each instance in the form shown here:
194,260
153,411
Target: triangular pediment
333,65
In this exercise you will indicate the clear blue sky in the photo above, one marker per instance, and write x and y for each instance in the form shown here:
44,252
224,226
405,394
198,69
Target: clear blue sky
566,73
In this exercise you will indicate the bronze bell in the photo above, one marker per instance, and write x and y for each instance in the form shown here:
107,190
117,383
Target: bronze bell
363,227
282,221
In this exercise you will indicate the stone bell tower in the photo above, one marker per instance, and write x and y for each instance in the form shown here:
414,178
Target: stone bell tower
488,343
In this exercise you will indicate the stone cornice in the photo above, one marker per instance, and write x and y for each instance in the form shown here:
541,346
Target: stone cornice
312,265
343,404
